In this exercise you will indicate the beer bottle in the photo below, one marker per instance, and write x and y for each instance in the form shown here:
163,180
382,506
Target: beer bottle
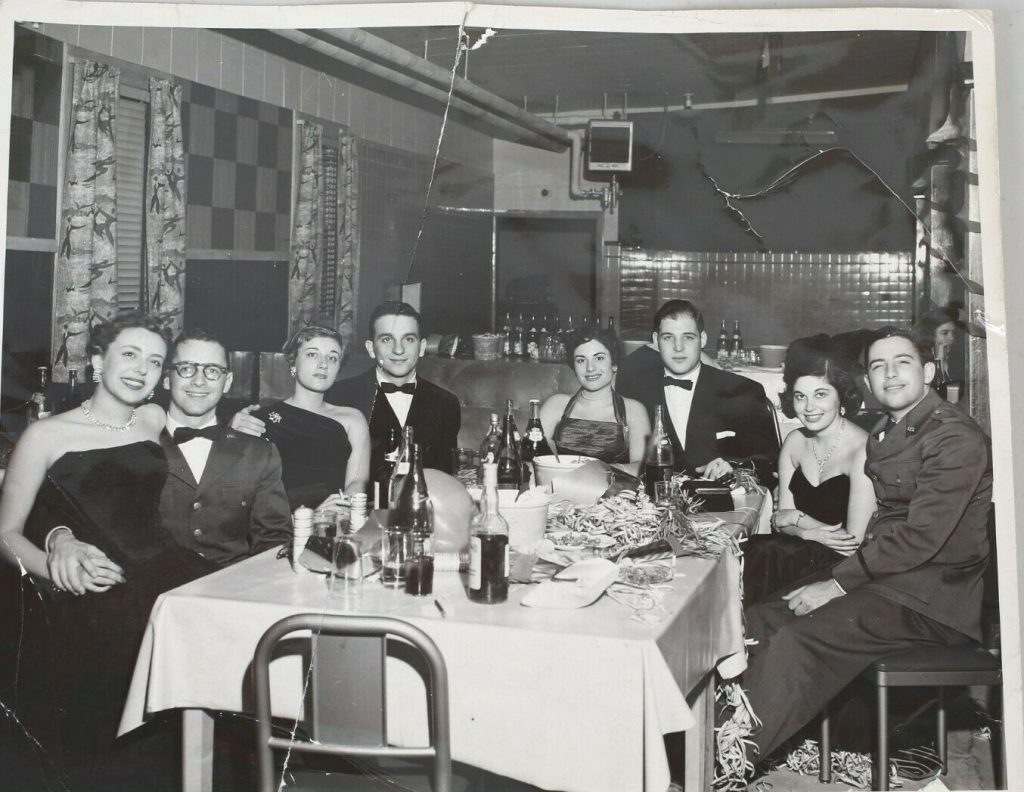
659,461
510,464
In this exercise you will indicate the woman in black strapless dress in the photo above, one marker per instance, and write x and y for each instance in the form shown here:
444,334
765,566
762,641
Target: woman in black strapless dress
325,449
596,421
825,498
97,471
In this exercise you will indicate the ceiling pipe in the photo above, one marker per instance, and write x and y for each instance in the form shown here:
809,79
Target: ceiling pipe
423,78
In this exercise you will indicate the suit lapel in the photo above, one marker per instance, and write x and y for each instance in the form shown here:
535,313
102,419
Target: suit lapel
701,426
176,464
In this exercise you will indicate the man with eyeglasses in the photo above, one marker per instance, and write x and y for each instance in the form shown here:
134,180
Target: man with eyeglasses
223,498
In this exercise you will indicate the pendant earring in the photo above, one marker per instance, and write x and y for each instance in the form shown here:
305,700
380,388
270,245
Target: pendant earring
842,411
292,371
150,395
97,374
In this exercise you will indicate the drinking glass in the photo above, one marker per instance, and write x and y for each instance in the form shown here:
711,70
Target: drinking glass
392,557
346,579
664,492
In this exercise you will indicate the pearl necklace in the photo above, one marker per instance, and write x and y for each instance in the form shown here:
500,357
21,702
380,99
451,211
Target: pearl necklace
824,461
109,427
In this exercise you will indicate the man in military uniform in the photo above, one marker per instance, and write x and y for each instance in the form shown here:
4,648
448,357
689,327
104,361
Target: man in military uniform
916,578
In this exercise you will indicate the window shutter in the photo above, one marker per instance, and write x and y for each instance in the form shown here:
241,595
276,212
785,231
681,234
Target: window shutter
130,145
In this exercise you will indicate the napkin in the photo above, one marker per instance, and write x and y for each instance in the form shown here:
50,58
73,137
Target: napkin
575,586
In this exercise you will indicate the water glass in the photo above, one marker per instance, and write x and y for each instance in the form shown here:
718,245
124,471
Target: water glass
665,492
392,557
346,579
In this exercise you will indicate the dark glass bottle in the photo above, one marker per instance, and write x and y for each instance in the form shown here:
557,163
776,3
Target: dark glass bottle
489,447
659,460
41,403
74,397
518,338
510,463
382,475
413,516
724,342
488,546
737,338
507,341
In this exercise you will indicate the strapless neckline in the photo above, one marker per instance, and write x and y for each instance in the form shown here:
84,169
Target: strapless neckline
827,501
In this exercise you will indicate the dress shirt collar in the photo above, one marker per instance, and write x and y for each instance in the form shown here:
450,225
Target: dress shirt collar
692,375
172,424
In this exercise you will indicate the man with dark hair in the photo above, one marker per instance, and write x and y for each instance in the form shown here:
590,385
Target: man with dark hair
223,498
917,577
391,396
717,420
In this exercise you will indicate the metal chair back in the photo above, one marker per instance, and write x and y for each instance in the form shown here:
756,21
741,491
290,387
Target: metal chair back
439,748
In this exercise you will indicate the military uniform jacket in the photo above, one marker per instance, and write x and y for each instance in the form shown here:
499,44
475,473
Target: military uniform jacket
926,546
238,508
435,416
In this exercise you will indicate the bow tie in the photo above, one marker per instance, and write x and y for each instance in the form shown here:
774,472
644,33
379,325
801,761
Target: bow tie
679,383
185,433
390,387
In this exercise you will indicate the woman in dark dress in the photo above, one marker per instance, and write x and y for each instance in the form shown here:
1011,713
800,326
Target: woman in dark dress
596,421
80,514
825,498
325,449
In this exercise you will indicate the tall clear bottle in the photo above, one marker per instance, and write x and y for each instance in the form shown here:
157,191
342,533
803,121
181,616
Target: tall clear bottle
510,462
401,466
737,338
724,346
489,447
506,337
488,546
518,338
659,460
413,517
382,475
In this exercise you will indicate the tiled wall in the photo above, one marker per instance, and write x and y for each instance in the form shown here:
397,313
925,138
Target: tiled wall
239,177
35,119
216,60
776,296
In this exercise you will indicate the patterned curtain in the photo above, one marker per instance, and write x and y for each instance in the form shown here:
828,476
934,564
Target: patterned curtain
304,277
348,239
165,202
85,279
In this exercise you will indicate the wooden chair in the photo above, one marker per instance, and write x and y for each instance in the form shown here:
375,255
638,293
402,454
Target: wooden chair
439,748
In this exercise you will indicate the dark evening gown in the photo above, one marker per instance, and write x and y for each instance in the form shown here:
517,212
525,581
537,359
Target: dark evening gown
775,562
314,452
604,440
80,651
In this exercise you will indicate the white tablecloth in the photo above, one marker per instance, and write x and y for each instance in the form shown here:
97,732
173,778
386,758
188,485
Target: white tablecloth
572,700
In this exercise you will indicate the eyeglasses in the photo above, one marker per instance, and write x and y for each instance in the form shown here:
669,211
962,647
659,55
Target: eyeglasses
187,370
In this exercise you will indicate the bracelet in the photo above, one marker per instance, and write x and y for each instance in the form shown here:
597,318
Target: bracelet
53,532
799,517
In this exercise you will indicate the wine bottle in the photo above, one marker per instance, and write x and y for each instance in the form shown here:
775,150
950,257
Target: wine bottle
382,475
488,546
74,396
489,447
413,516
659,460
724,342
510,463
401,465
737,338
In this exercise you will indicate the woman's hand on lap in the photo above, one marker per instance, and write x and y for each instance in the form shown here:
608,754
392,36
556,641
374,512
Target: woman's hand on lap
80,567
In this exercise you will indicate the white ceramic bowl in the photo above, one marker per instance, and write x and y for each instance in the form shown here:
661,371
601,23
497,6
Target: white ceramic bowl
549,468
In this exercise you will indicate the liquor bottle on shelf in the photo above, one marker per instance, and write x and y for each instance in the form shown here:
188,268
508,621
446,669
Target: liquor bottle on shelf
40,404
518,338
401,466
532,350
413,516
74,396
489,447
488,546
611,324
568,331
737,339
534,443
382,475
510,463
542,338
506,337
659,460
724,343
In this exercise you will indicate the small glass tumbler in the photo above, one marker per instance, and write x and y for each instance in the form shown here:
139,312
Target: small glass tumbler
346,579
665,492
392,557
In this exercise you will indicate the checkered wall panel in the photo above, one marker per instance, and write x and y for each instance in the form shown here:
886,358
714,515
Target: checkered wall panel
35,139
239,171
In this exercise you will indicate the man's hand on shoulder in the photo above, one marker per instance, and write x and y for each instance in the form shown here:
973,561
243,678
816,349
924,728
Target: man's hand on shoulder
809,598
245,422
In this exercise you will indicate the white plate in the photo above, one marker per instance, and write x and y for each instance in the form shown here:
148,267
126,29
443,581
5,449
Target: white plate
576,586
563,540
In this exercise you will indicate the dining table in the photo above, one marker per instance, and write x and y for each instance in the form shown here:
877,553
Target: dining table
563,699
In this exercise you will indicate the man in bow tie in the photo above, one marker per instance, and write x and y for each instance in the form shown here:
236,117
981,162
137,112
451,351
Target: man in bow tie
717,420
391,396
223,498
